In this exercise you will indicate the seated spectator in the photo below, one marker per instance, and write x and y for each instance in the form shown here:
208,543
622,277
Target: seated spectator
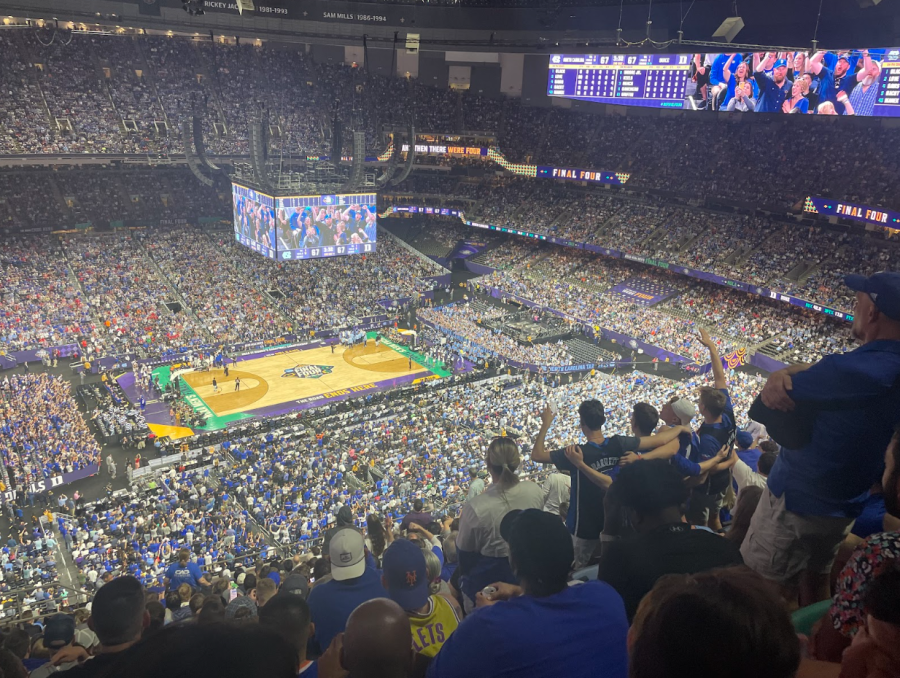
676,623
59,633
542,626
289,616
653,496
847,617
875,650
432,618
354,581
483,553
201,651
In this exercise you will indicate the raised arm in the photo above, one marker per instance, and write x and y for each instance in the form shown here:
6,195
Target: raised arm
539,453
862,73
717,369
815,64
766,63
662,438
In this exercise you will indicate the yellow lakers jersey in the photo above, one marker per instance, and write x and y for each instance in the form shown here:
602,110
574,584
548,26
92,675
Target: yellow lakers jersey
430,630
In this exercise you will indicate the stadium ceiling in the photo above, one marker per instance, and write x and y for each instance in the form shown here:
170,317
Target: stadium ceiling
497,25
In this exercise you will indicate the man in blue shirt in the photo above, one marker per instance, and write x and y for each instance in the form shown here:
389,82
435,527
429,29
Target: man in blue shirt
592,466
850,403
774,89
581,631
718,430
354,580
833,80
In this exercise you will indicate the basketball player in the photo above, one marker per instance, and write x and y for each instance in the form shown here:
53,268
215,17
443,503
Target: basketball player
215,386
237,383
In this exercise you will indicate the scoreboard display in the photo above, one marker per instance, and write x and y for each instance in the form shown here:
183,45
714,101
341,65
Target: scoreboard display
654,80
857,82
318,226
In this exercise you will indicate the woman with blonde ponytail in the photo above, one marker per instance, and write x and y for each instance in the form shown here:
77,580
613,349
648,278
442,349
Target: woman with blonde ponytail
483,554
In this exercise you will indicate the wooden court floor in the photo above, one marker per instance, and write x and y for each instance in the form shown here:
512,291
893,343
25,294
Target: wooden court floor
295,374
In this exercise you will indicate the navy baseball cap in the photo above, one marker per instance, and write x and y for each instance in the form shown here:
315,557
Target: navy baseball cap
405,574
845,57
59,631
744,439
781,63
883,288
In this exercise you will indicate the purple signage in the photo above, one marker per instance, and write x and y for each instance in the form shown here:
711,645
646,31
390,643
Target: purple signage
55,481
592,176
846,210
644,292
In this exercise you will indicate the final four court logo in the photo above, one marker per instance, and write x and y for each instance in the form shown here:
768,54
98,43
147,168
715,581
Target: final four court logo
308,371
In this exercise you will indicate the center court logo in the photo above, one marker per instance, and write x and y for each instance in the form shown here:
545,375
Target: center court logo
308,371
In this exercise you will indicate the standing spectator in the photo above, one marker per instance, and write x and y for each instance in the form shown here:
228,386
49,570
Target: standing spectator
552,621
653,494
556,491
483,553
842,411
118,617
377,643
417,515
184,571
289,616
432,619
718,430
476,486
354,581
593,473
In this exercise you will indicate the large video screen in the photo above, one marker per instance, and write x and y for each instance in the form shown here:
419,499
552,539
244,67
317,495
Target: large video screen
254,220
314,226
854,82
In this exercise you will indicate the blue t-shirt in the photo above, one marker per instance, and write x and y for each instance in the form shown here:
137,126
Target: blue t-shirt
189,574
331,603
750,457
771,96
832,474
577,633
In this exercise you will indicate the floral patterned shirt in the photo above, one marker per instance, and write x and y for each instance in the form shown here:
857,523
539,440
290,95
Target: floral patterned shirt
865,564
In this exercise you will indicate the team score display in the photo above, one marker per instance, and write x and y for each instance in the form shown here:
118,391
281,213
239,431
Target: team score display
311,227
864,82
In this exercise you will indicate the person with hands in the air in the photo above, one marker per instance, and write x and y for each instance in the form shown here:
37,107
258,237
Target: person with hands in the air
718,429
551,619
600,457
833,420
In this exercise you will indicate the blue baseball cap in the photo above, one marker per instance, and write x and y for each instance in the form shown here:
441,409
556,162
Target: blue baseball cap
845,57
779,64
405,574
744,439
883,288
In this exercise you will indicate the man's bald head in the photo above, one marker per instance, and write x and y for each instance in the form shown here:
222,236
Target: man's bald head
378,641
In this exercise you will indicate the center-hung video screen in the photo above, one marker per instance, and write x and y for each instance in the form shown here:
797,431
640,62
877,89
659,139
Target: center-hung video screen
315,226
254,220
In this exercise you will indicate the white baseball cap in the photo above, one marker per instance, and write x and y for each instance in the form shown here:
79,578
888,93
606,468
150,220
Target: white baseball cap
348,555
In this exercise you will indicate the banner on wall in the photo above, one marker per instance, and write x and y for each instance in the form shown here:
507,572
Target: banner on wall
55,481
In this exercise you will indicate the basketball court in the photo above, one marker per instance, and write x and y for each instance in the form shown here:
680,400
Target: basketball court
280,380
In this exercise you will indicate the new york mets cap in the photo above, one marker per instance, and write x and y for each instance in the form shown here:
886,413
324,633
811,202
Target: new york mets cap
348,555
406,574
883,288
